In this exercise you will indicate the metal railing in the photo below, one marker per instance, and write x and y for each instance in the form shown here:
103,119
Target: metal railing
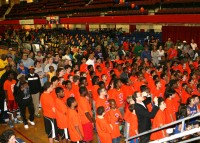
168,125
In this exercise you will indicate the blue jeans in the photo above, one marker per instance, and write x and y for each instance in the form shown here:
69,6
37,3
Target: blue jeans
134,141
116,140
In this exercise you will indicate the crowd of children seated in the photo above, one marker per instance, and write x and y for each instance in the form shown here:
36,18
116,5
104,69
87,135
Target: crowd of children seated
92,89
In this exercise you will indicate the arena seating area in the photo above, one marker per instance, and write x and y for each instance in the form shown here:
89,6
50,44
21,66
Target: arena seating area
82,8
3,9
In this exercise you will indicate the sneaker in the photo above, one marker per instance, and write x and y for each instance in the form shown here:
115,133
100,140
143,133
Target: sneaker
31,122
17,121
10,124
56,139
26,126
37,115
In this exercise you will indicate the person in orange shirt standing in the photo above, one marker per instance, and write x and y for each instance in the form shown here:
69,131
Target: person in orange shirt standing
12,105
61,115
48,106
170,110
95,86
114,117
69,92
83,66
75,128
158,91
184,93
159,121
68,71
140,81
85,114
102,100
132,122
104,129
119,95
197,92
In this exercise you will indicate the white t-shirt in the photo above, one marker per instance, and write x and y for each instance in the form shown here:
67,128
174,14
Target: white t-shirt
193,45
161,54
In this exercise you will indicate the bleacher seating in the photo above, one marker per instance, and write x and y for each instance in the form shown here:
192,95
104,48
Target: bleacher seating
81,8
179,11
3,9
127,12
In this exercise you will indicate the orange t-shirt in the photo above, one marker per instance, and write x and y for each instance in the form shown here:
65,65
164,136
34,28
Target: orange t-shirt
104,130
133,121
102,102
196,93
53,94
158,121
61,114
158,92
9,87
83,107
95,94
163,83
110,94
137,85
151,83
83,68
117,72
68,93
170,110
133,79
126,114
119,97
48,103
176,102
185,96
89,80
112,117
98,73
76,88
128,91
66,76
74,120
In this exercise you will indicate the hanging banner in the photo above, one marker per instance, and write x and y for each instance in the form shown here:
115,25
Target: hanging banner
27,21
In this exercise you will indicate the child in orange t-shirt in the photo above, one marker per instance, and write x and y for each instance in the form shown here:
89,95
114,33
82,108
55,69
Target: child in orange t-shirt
61,115
159,120
75,127
129,101
114,117
132,126
8,88
104,129
170,110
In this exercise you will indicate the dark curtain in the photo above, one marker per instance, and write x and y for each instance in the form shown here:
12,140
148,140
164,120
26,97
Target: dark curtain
181,33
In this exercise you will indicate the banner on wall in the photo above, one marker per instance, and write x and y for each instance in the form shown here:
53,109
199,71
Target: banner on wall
53,20
26,22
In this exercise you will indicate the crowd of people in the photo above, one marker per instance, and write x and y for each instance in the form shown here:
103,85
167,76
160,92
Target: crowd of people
118,90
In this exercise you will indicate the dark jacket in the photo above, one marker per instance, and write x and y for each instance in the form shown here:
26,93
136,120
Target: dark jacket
34,83
144,116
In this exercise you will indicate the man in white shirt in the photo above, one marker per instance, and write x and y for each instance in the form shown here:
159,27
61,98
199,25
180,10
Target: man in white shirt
193,44
91,60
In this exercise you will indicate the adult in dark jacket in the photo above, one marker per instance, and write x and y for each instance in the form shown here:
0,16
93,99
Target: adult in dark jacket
24,99
35,88
143,115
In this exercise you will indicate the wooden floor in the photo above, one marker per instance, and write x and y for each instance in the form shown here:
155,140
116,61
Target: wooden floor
35,134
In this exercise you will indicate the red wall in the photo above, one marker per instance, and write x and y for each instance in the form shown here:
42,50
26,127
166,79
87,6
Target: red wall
181,18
